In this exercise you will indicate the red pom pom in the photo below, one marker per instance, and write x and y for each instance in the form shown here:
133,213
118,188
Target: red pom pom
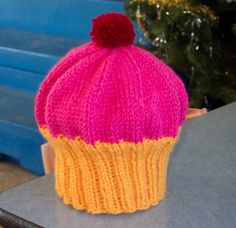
112,30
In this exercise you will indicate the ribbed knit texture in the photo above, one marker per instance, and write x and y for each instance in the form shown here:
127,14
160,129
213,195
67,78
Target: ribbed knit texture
107,95
111,178
112,115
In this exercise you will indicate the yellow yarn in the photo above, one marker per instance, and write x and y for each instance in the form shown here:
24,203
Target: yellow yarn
111,178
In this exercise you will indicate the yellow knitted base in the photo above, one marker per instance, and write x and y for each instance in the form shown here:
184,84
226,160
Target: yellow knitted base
111,178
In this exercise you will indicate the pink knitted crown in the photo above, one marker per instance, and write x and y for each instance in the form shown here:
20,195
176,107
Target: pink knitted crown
111,93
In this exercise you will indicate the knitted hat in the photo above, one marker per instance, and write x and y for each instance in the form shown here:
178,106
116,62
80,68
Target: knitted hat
112,113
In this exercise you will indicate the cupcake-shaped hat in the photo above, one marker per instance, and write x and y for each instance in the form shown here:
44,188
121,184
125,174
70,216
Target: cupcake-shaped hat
112,113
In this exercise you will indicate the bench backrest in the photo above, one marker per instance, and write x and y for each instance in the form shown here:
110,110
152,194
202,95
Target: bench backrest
56,17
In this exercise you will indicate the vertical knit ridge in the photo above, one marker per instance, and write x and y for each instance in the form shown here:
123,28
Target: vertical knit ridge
106,175
150,171
75,177
88,175
155,170
117,180
140,172
124,176
59,162
135,182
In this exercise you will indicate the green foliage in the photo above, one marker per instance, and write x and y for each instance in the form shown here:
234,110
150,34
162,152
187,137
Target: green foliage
190,41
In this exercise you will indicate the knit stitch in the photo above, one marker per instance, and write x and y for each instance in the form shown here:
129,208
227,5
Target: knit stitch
112,115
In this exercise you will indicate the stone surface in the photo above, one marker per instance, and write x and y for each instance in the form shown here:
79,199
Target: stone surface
200,189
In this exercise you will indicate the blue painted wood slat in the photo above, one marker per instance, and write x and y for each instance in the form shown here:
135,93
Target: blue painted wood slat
20,79
56,17
33,36
24,145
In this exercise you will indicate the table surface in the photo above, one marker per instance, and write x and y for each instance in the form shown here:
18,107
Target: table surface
201,188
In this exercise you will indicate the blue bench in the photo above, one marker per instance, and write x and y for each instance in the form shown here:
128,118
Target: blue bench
33,36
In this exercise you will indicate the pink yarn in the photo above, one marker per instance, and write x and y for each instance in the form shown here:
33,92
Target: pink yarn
108,95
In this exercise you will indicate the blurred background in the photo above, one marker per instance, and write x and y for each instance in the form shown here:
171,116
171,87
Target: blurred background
195,37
